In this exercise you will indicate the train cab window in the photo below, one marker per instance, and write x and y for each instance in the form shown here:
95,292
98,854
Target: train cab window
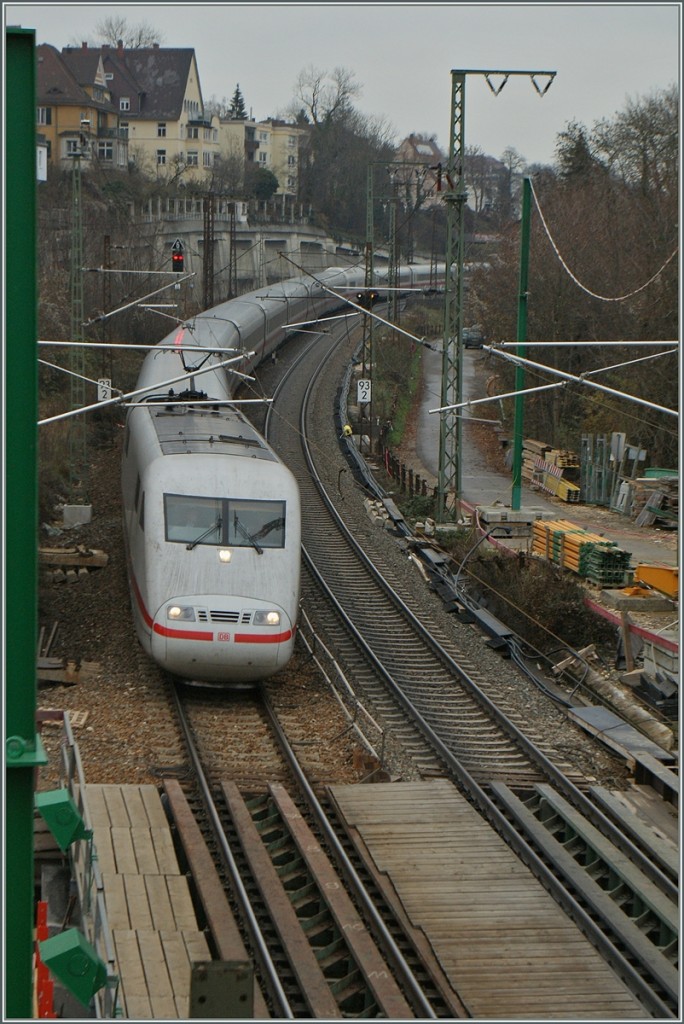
256,523
237,522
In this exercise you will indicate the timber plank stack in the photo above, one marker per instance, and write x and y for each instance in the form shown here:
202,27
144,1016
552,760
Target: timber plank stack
149,905
589,555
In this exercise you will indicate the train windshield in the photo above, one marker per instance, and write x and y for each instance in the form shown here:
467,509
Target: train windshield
238,522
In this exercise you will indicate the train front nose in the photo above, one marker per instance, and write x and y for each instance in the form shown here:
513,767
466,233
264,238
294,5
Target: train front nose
213,638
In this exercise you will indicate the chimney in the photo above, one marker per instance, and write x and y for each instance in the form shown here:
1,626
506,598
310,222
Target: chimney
120,47
155,46
84,46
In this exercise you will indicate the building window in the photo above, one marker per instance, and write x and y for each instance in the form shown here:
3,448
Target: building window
105,150
124,103
193,133
43,115
263,136
123,127
161,157
292,140
263,158
72,147
206,159
161,130
291,182
291,161
192,158
108,76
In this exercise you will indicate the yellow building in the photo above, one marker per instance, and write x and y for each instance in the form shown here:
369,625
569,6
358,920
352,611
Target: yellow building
159,96
75,113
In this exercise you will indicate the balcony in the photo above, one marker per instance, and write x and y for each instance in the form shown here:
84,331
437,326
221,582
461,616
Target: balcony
113,133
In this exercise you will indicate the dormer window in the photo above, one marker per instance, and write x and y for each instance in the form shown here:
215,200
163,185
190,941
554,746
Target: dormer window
125,103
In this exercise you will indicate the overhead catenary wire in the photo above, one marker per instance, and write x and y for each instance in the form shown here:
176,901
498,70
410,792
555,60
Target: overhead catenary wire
141,391
362,309
569,379
594,295
582,379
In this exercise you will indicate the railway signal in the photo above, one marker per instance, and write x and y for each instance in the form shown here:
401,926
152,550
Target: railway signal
366,298
177,257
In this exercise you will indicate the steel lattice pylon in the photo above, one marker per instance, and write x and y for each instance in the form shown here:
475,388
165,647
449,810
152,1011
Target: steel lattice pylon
455,196
449,479
78,449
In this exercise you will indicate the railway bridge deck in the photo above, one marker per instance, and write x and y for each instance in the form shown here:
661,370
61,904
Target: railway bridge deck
505,945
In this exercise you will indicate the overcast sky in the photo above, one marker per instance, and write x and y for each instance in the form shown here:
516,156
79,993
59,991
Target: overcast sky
402,56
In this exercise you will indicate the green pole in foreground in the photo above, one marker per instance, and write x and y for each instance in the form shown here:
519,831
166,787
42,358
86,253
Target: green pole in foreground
520,350
23,749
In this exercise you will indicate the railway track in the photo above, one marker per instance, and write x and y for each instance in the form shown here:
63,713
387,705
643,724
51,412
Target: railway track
393,656
293,881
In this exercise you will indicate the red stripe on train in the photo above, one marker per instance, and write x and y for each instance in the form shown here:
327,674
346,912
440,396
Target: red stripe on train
262,638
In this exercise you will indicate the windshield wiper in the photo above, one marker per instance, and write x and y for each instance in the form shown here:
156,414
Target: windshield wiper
275,524
239,528
203,536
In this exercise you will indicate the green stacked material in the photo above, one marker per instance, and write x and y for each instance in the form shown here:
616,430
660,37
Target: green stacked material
588,554
605,564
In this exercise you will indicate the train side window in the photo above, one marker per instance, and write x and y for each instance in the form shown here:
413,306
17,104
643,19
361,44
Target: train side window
141,517
137,493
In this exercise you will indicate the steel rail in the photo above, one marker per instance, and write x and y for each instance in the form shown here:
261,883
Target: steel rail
399,962
269,967
499,820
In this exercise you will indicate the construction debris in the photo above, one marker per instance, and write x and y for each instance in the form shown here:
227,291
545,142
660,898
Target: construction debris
73,556
65,671
656,500
553,470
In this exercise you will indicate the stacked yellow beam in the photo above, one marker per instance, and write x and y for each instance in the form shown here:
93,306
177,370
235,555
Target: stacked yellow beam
587,554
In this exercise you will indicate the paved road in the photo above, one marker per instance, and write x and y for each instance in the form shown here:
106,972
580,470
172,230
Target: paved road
483,486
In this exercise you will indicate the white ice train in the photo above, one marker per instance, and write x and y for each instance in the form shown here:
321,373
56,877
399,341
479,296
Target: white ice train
212,520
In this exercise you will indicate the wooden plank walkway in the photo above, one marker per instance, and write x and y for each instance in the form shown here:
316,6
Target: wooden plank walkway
508,949
149,907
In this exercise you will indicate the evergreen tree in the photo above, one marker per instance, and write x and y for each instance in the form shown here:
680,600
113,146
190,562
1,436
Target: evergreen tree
237,110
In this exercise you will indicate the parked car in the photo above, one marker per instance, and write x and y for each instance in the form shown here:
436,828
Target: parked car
473,337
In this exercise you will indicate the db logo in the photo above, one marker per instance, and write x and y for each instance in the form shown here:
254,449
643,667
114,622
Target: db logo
223,636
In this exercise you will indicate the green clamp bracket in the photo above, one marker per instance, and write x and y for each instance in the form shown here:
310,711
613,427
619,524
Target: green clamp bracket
23,753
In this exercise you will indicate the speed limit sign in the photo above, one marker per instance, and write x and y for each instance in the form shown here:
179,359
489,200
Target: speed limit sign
363,391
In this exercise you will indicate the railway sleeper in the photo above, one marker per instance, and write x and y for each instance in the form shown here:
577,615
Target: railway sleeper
636,895
342,948
638,946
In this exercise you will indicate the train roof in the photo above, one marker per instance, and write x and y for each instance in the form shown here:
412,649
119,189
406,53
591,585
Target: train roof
206,429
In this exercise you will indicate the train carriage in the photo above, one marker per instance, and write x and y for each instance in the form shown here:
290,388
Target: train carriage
212,518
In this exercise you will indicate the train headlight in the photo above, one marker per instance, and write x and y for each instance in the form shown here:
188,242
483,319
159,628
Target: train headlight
225,555
266,618
184,613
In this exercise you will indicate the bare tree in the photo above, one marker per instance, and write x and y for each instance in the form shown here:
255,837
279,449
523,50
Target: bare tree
611,208
115,29
324,96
